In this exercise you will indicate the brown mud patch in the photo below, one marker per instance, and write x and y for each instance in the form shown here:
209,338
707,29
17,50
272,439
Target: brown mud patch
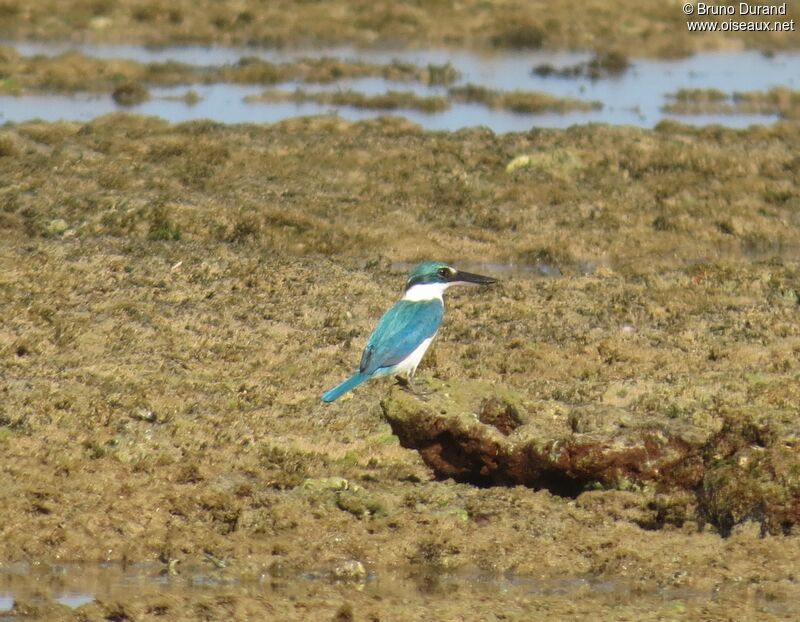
651,28
176,297
779,101
519,101
604,65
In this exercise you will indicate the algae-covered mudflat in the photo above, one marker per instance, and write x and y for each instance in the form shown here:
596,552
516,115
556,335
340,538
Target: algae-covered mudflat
651,27
176,297
611,431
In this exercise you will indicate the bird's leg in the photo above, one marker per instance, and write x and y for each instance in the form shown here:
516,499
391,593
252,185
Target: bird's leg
406,383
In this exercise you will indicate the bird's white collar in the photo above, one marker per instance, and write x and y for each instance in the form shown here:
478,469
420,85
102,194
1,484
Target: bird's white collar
426,291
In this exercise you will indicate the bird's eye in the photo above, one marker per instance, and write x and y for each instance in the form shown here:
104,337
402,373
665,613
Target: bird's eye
443,272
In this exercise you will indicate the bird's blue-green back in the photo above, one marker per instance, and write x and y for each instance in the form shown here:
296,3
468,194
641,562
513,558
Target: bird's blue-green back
399,332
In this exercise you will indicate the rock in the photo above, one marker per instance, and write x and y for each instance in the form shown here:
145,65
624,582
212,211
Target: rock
360,503
57,227
503,416
130,94
496,443
325,483
750,476
349,571
477,433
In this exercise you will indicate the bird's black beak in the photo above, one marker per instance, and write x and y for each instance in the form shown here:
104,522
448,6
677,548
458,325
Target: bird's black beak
469,277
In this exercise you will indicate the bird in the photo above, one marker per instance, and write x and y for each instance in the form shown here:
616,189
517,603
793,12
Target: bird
406,330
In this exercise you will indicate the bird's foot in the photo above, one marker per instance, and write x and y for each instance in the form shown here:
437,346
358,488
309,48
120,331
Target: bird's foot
406,384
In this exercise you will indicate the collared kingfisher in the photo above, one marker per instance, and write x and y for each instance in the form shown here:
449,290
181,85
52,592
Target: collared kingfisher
405,331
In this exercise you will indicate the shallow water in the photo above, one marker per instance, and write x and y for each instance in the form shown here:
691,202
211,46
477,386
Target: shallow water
633,98
75,585
734,251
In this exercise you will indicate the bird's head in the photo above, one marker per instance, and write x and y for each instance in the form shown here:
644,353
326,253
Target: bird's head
431,278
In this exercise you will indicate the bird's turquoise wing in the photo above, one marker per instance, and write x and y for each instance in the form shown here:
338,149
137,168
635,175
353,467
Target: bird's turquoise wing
399,332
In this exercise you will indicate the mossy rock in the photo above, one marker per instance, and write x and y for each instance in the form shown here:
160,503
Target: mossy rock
751,476
482,434
478,433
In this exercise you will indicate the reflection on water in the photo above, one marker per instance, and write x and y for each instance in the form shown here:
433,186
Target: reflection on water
633,98
74,600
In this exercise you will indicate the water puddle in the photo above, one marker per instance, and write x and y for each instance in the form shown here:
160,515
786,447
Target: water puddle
541,269
634,97
733,251
75,585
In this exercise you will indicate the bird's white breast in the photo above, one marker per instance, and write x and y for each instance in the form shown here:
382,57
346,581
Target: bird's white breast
411,362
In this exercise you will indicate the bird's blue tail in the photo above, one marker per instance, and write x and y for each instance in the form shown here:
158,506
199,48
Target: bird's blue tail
340,389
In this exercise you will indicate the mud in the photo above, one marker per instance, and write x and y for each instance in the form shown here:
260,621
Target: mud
520,101
176,297
523,102
391,100
75,72
605,65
